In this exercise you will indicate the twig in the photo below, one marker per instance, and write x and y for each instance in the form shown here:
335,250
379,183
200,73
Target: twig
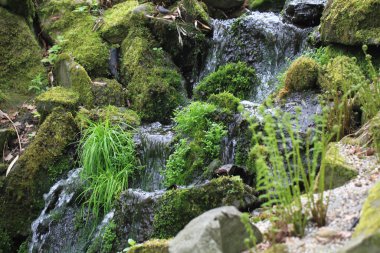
13,124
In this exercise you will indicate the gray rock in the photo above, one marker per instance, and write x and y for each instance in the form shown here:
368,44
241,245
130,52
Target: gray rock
219,230
304,12
368,244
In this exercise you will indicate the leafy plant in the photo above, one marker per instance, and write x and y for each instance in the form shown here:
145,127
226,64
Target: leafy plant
286,164
176,164
249,242
38,84
107,155
212,139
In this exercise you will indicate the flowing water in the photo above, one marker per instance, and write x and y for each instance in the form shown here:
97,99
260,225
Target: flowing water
263,41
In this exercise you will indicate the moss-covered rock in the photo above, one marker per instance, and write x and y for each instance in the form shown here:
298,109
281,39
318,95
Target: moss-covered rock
151,246
237,78
117,115
5,135
108,92
70,74
302,74
23,8
370,219
57,97
196,10
177,207
118,20
77,30
20,60
351,22
33,173
154,84
337,170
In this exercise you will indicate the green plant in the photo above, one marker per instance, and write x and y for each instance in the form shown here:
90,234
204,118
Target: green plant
38,84
236,78
176,164
81,9
107,155
249,242
212,139
286,163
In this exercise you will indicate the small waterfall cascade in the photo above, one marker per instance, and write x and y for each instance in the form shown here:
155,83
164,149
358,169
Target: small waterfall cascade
262,40
57,201
153,142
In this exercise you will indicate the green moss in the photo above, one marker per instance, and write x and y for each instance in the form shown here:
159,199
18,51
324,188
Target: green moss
5,242
341,73
108,92
178,207
302,75
151,246
23,8
20,60
81,40
154,83
237,78
57,97
104,243
30,178
118,20
337,170
351,22
116,115
70,74
370,219
196,11
24,247
226,101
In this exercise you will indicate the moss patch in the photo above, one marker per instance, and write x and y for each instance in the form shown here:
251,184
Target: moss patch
178,207
118,20
351,22
108,92
20,60
78,29
237,78
57,97
225,101
302,75
23,8
266,5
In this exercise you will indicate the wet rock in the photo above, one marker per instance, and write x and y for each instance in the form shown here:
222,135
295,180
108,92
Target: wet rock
57,97
134,215
219,230
304,12
20,60
70,74
337,170
234,170
361,26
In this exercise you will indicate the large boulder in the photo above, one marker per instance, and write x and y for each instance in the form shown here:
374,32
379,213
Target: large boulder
219,230
304,12
44,161
141,215
23,8
71,24
351,22
20,60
